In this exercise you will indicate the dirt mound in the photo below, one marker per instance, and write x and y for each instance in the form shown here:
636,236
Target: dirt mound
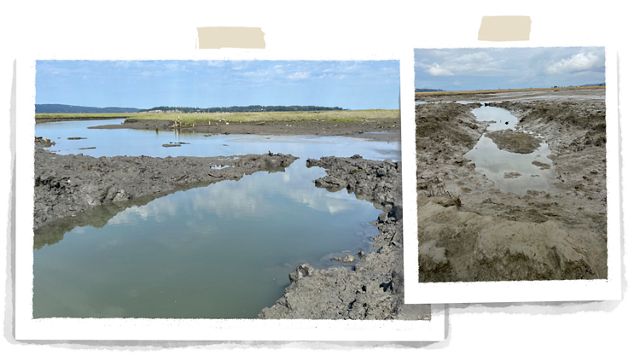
444,133
434,122
514,142
465,246
585,119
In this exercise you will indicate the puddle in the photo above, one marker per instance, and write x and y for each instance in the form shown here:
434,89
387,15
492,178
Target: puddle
499,118
219,251
511,172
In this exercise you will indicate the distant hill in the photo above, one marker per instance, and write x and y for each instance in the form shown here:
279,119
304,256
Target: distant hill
245,108
426,90
64,108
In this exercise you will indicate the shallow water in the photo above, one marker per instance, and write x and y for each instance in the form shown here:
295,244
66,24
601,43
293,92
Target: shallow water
112,142
511,172
220,251
499,118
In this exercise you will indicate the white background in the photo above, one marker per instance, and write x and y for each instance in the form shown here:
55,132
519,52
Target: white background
599,330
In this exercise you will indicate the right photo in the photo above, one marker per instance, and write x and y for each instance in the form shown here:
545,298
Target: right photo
511,164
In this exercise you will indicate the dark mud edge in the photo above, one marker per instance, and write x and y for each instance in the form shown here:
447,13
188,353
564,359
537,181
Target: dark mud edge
373,288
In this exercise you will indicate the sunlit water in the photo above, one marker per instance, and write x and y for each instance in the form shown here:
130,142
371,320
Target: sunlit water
220,251
511,172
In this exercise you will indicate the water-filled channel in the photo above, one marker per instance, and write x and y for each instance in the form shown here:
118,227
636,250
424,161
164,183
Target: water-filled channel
511,172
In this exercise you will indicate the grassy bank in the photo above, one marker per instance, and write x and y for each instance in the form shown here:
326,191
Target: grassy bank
330,116
204,118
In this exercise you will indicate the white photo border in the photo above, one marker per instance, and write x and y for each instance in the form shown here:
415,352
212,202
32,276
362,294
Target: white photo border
139,329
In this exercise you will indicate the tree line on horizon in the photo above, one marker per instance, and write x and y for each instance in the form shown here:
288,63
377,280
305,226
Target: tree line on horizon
64,108
245,108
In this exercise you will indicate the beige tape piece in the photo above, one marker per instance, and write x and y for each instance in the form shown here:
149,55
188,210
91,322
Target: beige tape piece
217,37
505,28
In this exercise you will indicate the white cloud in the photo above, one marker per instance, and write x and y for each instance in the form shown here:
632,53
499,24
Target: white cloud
437,70
299,75
453,63
576,63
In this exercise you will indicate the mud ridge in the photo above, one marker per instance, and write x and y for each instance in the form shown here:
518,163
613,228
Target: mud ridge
70,185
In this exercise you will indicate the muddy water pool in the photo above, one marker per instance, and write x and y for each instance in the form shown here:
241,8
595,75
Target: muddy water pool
510,172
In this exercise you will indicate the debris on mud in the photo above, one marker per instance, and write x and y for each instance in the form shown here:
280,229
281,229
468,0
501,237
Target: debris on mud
44,142
541,165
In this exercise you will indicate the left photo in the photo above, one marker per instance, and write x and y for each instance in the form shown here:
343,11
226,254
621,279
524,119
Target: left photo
218,189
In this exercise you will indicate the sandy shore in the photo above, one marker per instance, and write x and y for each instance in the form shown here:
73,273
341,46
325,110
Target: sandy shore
469,230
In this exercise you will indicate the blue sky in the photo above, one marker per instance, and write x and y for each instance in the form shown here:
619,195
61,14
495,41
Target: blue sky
146,84
502,68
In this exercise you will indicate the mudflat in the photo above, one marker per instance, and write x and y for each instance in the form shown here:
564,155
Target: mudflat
470,229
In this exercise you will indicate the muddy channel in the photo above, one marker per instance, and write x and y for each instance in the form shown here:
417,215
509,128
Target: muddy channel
512,187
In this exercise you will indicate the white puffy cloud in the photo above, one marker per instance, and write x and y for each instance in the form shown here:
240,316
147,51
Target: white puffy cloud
576,63
437,70
453,63
299,75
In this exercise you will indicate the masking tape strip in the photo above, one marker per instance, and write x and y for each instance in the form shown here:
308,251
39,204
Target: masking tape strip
217,37
505,28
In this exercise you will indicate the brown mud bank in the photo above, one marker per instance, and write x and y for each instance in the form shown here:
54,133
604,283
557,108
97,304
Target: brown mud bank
373,288
69,188
376,130
470,230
